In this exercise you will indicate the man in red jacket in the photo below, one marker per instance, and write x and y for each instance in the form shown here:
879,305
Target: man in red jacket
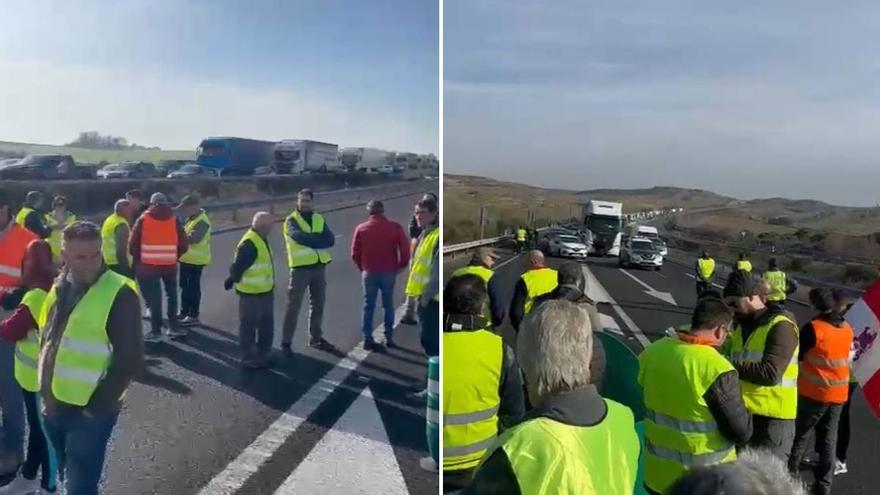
157,242
380,249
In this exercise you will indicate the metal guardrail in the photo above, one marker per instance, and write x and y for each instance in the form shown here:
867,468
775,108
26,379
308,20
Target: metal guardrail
464,246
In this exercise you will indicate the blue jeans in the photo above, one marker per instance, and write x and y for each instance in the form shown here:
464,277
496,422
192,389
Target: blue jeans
11,402
373,283
80,443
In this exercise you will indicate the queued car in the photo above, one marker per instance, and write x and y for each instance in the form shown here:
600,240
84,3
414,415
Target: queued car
640,252
566,245
192,170
165,167
128,170
43,167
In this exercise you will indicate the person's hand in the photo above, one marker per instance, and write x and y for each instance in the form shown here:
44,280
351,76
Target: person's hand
228,283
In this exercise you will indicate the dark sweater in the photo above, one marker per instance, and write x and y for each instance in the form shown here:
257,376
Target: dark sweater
323,240
245,256
34,222
808,333
124,331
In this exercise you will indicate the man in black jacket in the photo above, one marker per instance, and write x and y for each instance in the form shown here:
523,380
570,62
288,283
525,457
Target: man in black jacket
32,217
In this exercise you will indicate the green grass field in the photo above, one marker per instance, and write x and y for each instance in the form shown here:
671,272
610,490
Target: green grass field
84,155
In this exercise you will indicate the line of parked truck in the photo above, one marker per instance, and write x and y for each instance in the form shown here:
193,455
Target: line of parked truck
233,156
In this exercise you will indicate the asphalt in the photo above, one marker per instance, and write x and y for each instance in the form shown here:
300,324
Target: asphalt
188,420
641,317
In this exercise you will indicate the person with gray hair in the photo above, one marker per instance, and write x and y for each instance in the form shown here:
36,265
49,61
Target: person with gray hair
29,215
553,351
253,275
379,249
756,471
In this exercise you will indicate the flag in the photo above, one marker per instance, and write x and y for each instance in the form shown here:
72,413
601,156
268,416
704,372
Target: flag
864,317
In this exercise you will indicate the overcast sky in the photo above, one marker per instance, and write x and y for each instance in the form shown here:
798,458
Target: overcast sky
746,98
170,72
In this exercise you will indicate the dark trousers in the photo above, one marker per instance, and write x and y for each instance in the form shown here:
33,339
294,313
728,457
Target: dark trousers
843,425
118,269
151,287
256,323
429,321
773,434
314,279
823,418
81,444
39,451
702,286
190,289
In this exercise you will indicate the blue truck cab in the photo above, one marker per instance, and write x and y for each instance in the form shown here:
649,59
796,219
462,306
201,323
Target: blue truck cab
234,156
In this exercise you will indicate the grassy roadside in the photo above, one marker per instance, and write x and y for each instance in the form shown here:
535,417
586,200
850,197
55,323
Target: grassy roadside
86,155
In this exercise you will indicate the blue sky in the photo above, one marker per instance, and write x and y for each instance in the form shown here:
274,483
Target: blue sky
747,98
169,72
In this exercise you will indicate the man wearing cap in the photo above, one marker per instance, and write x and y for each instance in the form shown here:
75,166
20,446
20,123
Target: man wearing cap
197,227
157,242
695,412
380,250
763,347
481,265
29,216
14,240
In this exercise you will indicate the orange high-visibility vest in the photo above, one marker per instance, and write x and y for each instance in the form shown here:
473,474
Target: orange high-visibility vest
12,248
159,242
824,372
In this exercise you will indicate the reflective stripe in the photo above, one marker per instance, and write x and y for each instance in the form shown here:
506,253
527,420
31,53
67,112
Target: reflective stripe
433,387
25,359
12,272
159,247
468,418
682,425
467,449
433,416
689,459
788,382
818,380
90,377
86,347
826,363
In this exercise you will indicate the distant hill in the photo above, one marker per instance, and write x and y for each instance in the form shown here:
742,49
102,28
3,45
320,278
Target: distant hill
86,155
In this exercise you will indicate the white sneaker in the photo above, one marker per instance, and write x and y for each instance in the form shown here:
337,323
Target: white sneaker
839,468
21,486
429,464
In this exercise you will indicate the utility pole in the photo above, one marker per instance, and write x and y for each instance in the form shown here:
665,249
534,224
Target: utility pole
483,220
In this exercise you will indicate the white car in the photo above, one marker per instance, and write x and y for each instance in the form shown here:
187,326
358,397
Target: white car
567,246
640,251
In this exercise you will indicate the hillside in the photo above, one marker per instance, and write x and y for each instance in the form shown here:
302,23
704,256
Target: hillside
85,155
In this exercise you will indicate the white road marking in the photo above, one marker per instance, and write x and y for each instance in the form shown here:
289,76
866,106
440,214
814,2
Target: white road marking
355,456
691,275
597,292
663,296
499,265
234,476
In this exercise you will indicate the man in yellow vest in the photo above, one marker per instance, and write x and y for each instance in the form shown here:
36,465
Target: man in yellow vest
743,263
253,275
763,347
573,442
781,286
198,232
705,271
481,381
114,239
423,282
695,415
308,240
481,265
521,235
56,220
537,280
82,393
29,215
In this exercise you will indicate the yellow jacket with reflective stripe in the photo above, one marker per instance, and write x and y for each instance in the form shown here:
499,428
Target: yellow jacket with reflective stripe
299,255
199,253
85,352
778,285
55,237
680,431
744,265
420,272
472,361
706,268
108,239
22,215
775,401
538,282
27,350
259,278
521,235
552,458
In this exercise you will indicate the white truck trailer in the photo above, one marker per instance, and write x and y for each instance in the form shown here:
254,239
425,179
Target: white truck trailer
298,156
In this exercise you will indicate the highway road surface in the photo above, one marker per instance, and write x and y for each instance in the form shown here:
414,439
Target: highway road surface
197,423
640,305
